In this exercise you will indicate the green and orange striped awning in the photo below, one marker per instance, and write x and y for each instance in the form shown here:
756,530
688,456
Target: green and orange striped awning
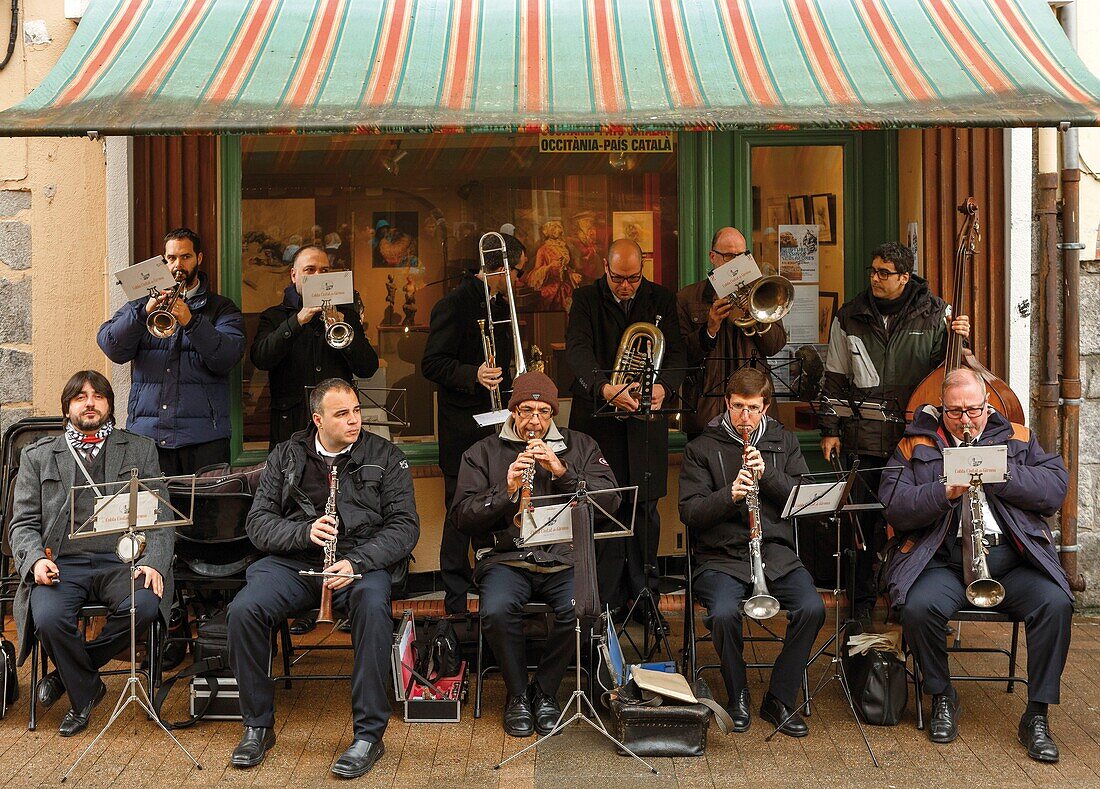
339,66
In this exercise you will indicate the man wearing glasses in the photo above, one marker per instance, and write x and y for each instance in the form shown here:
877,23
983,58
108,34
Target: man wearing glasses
882,344
925,576
712,341
600,314
489,490
713,484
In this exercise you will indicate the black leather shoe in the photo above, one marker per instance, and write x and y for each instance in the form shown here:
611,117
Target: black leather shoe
1035,735
775,712
76,721
254,745
545,709
943,727
740,710
50,689
302,625
358,759
519,721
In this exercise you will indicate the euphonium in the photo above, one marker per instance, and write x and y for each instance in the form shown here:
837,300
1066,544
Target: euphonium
325,614
761,605
640,342
765,301
338,334
982,589
161,323
527,487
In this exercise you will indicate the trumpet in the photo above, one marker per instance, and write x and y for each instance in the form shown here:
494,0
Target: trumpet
761,605
765,301
641,343
338,334
982,589
161,323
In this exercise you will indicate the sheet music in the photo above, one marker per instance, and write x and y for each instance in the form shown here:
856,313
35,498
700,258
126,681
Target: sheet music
137,280
335,287
819,498
548,525
959,463
730,276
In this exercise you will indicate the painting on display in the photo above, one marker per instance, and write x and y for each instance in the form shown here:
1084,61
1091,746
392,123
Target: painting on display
638,227
395,235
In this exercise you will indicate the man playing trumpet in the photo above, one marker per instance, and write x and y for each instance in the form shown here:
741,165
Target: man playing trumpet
378,527
529,451
925,575
717,474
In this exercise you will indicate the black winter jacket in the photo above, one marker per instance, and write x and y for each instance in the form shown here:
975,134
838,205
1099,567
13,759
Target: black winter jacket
719,528
297,357
379,525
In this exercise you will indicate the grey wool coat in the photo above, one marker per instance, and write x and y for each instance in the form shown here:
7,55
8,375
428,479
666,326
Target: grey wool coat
40,515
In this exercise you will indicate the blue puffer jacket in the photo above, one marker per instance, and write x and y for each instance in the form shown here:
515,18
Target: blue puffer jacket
179,393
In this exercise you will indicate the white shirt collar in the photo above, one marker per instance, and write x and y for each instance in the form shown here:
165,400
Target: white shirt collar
325,453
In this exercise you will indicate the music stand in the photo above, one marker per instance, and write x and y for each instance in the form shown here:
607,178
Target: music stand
578,504
828,498
645,379
129,518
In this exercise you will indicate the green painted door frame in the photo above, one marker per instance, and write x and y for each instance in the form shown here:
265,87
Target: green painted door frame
714,188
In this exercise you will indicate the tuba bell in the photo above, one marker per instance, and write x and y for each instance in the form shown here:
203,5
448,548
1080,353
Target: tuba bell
765,301
641,342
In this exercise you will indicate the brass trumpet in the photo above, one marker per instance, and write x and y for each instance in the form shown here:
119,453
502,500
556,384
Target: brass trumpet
765,301
161,323
338,334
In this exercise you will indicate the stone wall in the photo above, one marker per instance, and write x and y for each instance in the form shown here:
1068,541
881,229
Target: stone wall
1088,457
16,362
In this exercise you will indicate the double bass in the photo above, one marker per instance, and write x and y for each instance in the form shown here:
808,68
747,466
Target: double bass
999,394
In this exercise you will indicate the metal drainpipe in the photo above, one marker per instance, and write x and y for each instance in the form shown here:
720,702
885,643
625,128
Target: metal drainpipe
1071,332
1049,287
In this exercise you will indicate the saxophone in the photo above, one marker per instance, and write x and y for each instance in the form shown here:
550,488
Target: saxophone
761,605
982,589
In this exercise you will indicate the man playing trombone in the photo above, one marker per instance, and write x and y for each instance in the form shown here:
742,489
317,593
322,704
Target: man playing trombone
375,528
455,361
529,457
925,577
720,472
179,395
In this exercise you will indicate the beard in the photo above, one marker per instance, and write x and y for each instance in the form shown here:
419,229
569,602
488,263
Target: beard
89,422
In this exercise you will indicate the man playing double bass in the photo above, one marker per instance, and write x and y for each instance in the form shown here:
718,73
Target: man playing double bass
925,577
882,344
599,316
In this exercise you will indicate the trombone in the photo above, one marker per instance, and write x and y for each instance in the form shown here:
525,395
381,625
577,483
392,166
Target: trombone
161,323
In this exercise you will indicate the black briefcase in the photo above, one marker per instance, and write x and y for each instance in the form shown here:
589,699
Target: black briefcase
668,730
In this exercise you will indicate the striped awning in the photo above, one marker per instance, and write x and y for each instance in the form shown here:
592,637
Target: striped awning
339,66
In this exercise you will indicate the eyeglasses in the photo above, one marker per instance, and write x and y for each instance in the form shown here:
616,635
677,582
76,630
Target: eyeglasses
542,413
728,256
633,279
752,409
973,413
881,273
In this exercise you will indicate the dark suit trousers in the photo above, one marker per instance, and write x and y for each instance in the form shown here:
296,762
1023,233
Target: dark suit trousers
1030,595
621,561
723,595
873,526
100,578
454,557
188,460
504,592
274,593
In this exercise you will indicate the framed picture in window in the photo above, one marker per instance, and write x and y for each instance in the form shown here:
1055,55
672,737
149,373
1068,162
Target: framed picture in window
823,214
827,305
799,209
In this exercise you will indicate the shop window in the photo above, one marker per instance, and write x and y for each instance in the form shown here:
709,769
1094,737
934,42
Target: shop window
404,214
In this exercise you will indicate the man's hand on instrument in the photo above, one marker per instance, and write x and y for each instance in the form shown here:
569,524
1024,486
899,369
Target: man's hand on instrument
182,312
343,567
621,397
322,530
961,326
955,491
754,461
830,445
545,456
659,395
306,314
720,309
153,579
489,377
46,573
515,471
741,485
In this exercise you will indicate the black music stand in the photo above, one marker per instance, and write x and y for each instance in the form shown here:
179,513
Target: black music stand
829,496
581,502
645,599
130,546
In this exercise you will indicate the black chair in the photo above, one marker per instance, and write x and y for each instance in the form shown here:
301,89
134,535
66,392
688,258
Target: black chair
690,667
39,658
19,435
1011,654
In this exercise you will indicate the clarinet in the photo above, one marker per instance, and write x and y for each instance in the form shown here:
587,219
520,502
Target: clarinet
761,605
325,614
